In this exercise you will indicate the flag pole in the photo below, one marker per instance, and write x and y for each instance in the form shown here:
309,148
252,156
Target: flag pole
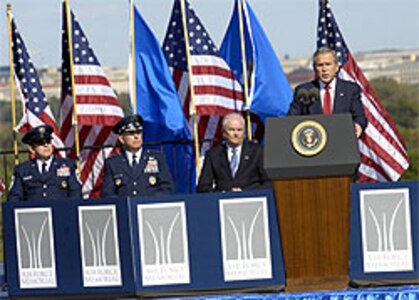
244,69
132,58
191,86
12,84
73,86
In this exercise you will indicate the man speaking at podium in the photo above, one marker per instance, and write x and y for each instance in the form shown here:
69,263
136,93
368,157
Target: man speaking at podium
328,94
236,165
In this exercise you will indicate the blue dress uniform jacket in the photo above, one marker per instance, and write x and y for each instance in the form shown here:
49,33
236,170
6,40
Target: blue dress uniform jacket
150,177
216,174
347,100
60,182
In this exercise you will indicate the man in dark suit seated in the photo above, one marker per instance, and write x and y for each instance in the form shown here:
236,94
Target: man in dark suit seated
236,165
45,176
335,95
136,171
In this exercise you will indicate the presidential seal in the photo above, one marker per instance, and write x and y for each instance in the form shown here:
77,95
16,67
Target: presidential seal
309,138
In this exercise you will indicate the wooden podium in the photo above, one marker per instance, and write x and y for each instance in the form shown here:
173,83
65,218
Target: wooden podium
312,194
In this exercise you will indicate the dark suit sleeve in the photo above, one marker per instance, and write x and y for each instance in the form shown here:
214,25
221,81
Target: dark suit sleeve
74,183
206,180
16,192
108,187
265,182
357,109
166,181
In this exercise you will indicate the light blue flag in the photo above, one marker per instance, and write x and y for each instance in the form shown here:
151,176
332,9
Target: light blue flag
158,103
269,89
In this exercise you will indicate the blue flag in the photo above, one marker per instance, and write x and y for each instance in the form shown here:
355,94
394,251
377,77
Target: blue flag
158,103
269,90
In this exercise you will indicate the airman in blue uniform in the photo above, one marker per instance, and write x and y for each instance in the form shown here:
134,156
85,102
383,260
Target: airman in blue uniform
136,171
45,176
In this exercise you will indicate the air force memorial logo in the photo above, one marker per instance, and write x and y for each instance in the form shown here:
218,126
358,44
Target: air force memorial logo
245,239
308,138
163,244
35,248
99,246
386,230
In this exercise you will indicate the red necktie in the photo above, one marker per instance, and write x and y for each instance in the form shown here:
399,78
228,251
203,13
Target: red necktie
327,101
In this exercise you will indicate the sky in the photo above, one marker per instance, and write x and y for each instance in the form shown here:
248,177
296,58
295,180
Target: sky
367,25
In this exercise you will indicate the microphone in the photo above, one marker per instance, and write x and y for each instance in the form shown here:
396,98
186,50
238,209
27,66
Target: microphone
306,98
313,95
302,96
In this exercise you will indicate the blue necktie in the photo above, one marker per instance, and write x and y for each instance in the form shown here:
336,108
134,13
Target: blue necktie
234,162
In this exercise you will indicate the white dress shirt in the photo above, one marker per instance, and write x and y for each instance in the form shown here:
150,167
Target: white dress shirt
130,156
48,162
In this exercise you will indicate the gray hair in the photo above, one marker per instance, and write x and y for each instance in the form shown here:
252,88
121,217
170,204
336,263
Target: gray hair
322,51
232,116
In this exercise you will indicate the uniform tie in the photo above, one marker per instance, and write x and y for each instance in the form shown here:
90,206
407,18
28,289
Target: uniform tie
44,167
134,160
234,162
327,101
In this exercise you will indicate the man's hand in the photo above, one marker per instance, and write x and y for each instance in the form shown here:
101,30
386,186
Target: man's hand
236,189
358,130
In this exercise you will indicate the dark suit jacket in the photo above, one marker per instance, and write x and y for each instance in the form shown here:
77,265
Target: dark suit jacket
347,100
60,182
250,175
150,177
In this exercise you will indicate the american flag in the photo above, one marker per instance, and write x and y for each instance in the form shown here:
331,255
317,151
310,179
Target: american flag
383,151
217,92
37,110
98,109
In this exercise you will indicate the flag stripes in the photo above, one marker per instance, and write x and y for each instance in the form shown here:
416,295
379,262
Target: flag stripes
37,110
216,90
383,152
97,109
2,187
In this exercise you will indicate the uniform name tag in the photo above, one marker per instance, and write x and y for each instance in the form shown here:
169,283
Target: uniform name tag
26,178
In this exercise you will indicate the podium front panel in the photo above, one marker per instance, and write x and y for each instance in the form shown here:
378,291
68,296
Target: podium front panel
384,237
199,232
67,247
